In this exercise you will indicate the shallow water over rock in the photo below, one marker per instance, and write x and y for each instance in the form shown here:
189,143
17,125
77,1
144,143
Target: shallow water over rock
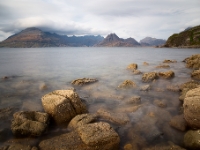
32,73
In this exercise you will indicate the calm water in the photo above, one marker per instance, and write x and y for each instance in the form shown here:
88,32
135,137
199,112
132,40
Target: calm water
31,69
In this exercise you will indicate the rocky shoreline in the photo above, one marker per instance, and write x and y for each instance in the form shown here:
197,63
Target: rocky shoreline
84,130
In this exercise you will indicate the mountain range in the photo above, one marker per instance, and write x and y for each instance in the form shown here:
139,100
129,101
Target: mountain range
34,37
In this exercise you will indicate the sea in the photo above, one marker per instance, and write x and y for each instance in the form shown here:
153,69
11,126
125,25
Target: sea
26,74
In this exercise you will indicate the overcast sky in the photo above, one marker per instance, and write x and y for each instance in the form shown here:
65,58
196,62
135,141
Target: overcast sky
126,18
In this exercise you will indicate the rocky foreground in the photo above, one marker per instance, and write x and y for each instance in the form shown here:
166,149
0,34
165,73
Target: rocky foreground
97,131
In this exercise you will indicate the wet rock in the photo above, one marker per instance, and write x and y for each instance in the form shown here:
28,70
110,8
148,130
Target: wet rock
145,63
196,74
29,123
166,75
178,122
163,66
193,61
129,147
83,81
192,138
127,84
118,118
17,146
192,108
63,105
132,66
96,136
134,100
145,88
136,72
160,103
148,77
169,61
174,88
81,120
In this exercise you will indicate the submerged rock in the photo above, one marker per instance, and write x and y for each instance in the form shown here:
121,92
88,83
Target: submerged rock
134,100
95,136
132,66
174,88
178,122
192,108
169,61
160,103
136,72
163,66
163,146
127,84
145,63
148,77
166,75
17,146
29,123
145,87
118,118
192,138
63,105
81,120
196,74
83,81
193,61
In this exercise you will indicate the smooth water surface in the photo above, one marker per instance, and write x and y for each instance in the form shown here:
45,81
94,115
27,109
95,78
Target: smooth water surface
33,72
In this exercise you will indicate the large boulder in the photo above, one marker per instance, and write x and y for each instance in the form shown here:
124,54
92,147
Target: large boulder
196,74
166,75
192,138
148,77
96,136
63,105
83,81
118,118
191,107
29,123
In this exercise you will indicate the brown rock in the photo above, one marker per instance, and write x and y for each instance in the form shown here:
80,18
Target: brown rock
29,123
63,105
196,74
169,61
83,81
193,61
192,138
118,118
81,120
127,84
163,66
132,66
160,103
145,87
192,108
134,100
148,77
136,72
174,88
19,147
96,136
166,75
178,122
145,63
